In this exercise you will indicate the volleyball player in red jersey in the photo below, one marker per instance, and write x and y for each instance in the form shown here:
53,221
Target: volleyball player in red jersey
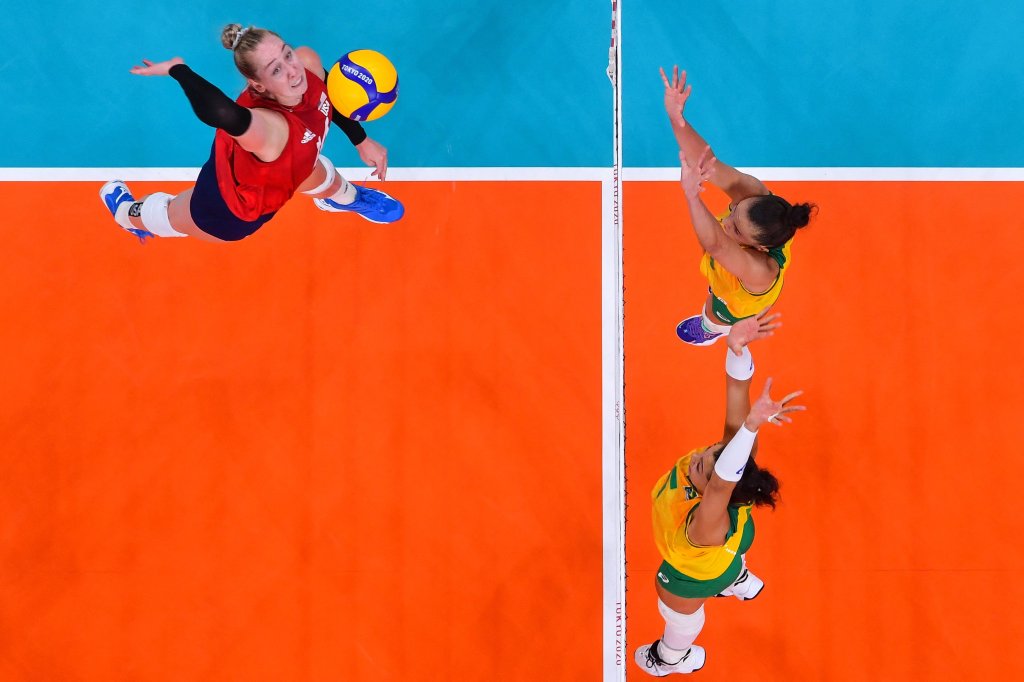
267,147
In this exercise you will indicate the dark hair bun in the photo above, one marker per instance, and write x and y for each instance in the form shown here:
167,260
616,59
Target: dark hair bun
799,215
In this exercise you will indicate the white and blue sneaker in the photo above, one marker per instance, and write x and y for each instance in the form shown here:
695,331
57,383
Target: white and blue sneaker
692,331
115,193
372,204
648,657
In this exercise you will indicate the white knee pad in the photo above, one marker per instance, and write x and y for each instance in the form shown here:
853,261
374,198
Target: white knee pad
154,215
331,173
684,624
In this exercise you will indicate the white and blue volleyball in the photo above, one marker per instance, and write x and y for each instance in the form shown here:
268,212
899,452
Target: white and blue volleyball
363,85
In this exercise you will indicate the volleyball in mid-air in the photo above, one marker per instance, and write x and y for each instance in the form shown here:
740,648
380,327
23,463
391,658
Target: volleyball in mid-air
363,85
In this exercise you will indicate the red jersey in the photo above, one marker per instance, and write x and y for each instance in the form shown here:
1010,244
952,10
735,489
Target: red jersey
252,188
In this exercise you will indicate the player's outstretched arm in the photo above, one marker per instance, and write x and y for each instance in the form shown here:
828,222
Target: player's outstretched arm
744,264
737,185
264,133
712,514
739,368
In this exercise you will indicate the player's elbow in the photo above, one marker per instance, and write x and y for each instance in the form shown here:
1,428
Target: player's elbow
718,487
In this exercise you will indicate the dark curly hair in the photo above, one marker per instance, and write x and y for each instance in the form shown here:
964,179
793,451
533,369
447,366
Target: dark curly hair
756,486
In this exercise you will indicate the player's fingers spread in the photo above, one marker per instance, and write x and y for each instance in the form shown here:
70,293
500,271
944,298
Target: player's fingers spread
792,395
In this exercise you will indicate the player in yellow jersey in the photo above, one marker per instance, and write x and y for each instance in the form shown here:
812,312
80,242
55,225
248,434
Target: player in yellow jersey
747,252
701,512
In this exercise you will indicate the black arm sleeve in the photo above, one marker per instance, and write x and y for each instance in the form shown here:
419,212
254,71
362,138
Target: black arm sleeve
351,128
212,106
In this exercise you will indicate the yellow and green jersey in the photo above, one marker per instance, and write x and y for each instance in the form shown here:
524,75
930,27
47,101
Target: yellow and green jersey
674,500
729,299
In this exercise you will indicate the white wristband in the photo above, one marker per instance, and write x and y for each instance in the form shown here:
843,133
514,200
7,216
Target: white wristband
739,367
733,460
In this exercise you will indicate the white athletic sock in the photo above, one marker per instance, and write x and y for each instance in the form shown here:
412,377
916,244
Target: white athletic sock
670,655
121,215
346,195
713,327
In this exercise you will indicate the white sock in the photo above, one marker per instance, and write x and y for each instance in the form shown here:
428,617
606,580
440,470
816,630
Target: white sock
713,327
121,215
346,195
670,655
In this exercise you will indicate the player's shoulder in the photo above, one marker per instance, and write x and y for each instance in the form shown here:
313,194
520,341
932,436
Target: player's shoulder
310,59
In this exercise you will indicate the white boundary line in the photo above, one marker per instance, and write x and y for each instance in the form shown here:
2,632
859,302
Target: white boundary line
543,174
358,174
879,174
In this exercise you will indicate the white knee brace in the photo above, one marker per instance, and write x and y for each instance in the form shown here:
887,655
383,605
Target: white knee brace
331,173
154,215
687,625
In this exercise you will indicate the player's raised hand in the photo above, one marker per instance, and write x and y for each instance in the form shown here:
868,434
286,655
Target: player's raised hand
676,94
693,177
374,154
760,326
149,68
771,411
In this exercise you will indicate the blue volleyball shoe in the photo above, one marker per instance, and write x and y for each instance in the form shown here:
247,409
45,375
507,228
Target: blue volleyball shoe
372,204
692,331
115,193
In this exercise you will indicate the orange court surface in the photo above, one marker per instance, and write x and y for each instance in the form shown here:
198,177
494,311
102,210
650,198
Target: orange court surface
893,554
333,451
345,451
